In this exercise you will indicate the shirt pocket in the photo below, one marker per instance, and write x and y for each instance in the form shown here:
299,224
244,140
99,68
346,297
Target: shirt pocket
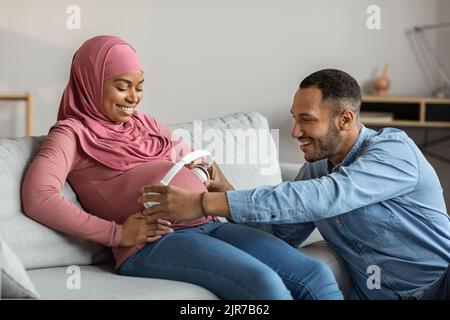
379,228
371,225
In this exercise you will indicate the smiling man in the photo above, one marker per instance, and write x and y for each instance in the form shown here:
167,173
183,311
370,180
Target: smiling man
325,117
372,195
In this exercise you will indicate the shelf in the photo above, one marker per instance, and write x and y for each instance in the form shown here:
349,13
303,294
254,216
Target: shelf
13,96
408,111
419,112
408,123
29,107
398,99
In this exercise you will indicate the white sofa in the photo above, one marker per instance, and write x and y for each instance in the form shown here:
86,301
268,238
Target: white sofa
46,254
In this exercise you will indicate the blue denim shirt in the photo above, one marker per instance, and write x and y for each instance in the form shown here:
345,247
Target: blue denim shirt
382,206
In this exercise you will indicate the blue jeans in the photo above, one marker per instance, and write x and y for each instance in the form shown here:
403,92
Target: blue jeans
438,290
234,262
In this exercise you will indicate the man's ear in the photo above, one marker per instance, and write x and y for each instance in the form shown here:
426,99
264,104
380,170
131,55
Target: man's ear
346,119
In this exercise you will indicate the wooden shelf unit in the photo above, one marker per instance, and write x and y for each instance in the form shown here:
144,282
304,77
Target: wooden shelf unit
27,97
409,111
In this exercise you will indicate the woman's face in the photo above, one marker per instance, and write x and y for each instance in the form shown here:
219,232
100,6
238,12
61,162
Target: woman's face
121,95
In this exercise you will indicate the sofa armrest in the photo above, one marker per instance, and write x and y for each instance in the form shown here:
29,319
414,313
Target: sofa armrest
289,170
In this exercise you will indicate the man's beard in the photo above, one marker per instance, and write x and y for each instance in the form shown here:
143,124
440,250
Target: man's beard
327,145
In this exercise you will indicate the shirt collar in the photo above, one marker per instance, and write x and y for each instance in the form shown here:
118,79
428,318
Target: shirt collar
351,155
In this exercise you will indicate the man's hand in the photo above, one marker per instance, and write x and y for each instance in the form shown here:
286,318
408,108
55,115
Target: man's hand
194,163
137,229
174,203
218,182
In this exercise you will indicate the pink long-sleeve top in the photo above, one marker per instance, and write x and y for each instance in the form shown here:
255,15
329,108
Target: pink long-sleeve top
108,196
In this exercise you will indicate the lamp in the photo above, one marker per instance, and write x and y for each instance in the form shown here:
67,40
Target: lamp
443,88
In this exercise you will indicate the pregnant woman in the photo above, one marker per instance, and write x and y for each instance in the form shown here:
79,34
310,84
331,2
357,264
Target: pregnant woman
108,151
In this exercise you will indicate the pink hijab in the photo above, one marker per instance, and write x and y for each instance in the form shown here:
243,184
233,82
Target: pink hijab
118,146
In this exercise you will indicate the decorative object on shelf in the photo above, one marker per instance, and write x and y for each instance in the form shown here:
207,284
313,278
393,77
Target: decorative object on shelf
441,86
382,82
29,107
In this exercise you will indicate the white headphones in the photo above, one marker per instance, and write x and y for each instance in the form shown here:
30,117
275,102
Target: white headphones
200,170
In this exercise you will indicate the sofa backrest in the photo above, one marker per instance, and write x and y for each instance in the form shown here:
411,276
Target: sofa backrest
242,145
38,246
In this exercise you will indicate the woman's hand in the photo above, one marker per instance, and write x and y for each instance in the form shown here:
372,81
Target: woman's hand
137,229
218,182
174,203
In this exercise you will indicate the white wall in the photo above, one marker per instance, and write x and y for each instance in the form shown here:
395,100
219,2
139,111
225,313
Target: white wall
205,58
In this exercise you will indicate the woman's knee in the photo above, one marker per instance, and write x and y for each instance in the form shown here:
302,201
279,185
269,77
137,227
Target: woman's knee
321,282
263,283
323,271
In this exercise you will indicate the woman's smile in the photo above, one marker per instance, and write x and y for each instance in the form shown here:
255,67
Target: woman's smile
125,109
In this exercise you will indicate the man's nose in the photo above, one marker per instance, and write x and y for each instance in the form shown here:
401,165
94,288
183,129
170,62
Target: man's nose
296,130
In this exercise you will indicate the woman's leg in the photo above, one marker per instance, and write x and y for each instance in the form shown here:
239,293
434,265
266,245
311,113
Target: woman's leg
189,255
305,277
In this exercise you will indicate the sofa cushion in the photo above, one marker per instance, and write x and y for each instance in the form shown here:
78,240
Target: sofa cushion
241,144
100,282
35,244
14,281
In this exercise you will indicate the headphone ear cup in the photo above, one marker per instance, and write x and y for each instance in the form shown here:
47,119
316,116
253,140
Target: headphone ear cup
201,172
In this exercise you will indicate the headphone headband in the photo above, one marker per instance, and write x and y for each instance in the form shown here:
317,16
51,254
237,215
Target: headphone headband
194,155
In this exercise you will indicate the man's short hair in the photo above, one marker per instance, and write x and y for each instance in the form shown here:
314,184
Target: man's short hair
339,87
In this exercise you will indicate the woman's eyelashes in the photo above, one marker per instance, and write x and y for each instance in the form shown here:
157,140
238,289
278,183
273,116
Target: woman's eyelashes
125,89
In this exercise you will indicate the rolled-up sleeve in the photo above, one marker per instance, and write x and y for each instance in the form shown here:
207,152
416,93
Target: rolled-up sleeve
384,170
